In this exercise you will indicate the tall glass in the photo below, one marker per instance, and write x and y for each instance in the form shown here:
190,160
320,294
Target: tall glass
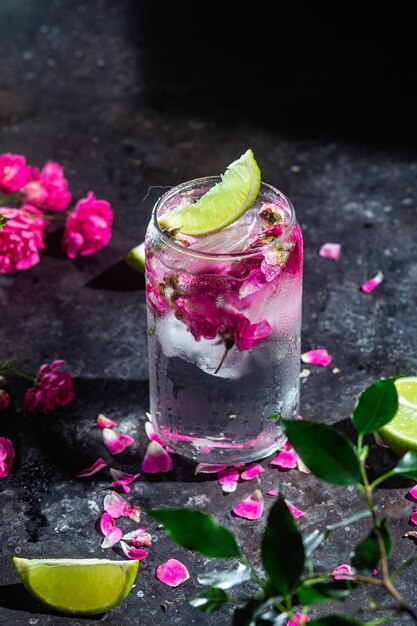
224,314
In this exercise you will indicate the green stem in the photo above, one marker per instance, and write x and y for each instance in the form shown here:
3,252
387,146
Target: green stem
380,479
18,374
380,620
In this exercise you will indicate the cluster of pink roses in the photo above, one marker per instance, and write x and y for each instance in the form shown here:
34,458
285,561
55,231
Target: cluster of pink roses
32,193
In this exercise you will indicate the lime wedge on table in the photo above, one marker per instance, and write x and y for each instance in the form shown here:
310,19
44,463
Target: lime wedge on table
77,586
136,258
223,204
400,434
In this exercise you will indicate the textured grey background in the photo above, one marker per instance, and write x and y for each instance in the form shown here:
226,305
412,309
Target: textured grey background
128,97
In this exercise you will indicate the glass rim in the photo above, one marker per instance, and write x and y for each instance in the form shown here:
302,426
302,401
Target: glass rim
213,256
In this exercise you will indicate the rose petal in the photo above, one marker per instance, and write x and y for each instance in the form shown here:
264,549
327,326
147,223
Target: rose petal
207,468
413,493
122,480
379,441
343,572
286,459
302,466
156,459
151,433
331,251
112,534
296,513
97,466
252,507
115,442
372,283
273,492
317,357
412,534
136,554
105,422
252,471
413,518
139,537
172,573
228,479
117,507
298,620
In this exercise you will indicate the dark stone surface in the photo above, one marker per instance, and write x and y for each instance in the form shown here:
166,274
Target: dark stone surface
129,97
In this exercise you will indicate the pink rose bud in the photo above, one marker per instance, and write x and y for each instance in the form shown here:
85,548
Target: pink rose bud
88,228
51,388
6,456
14,173
4,400
21,239
48,189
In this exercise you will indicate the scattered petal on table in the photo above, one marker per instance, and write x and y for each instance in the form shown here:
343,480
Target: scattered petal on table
122,479
115,442
317,357
331,251
139,537
286,459
298,620
372,283
228,479
252,507
252,471
156,459
172,573
117,507
207,468
105,422
296,513
97,466
136,554
343,572
112,534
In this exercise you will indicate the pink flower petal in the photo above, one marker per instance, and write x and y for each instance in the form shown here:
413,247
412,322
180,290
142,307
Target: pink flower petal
413,518
413,493
343,572
156,459
151,433
372,283
302,466
273,492
252,471
379,441
105,422
412,534
97,466
117,507
112,534
137,554
228,479
317,357
296,513
286,459
252,507
172,573
115,442
298,620
139,537
331,251
122,480
207,468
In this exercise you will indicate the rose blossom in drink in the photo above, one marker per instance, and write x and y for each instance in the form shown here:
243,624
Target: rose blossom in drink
224,313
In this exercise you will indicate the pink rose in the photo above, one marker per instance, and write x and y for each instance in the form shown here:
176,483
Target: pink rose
88,228
48,189
21,239
51,388
6,456
4,400
14,173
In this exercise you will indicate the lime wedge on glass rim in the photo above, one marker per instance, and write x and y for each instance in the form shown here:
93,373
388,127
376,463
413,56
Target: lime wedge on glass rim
222,204
77,586
400,434
136,258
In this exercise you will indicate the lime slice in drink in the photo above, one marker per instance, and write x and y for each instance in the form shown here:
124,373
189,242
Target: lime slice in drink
136,258
400,434
223,203
77,586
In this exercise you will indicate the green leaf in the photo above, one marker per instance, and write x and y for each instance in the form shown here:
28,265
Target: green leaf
198,531
325,591
209,600
407,466
335,620
259,612
325,451
3,221
226,578
282,548
376,406
274,416
367,555
7,364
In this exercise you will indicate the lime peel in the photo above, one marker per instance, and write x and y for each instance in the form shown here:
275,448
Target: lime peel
400,434
222,204
77,586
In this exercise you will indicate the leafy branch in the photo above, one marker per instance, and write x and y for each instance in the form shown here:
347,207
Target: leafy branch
290,583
